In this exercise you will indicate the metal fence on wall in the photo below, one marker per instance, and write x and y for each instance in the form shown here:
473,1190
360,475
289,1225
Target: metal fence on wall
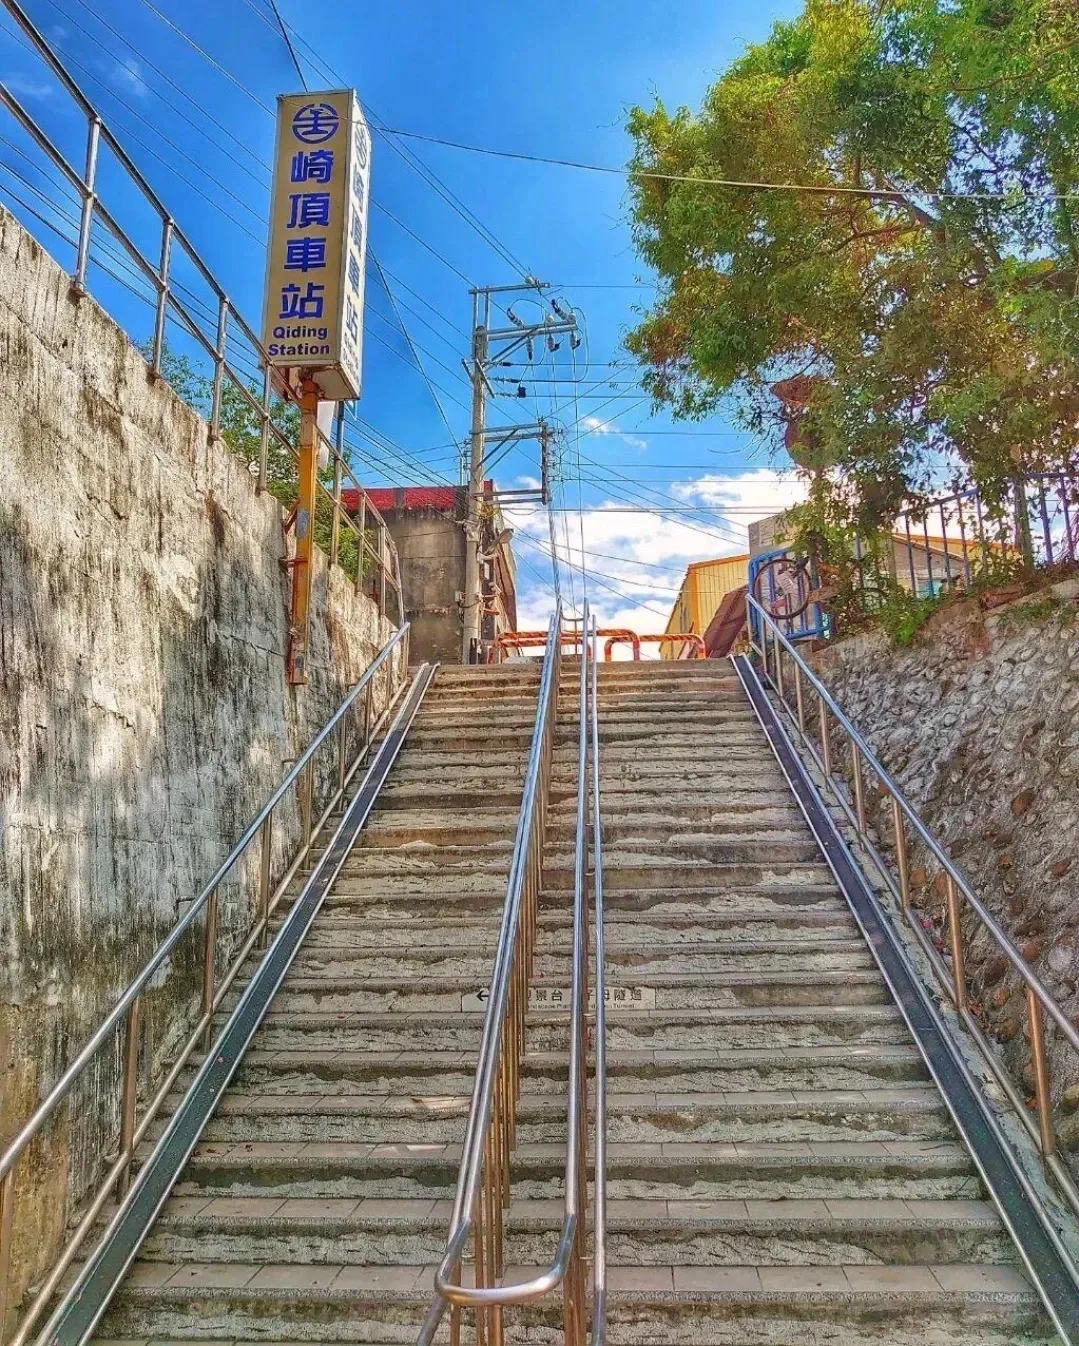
112,208
1035,523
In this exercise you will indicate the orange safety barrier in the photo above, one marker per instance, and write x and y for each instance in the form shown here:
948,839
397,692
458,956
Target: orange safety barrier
677,637
613,636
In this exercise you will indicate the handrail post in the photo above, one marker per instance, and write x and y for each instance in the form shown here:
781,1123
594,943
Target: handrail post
1036,1023
955,935
265,857
362,541
264,429
219,367
599,1186
129,1095
859,785
7,1238
89,201
381,569
208,958
825,737
162,298
900,833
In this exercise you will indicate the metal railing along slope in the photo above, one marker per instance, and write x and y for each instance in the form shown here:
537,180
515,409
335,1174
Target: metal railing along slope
795,685
483,1182
216,335
122,1025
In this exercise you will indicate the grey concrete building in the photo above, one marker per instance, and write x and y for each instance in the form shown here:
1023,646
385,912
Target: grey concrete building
427,526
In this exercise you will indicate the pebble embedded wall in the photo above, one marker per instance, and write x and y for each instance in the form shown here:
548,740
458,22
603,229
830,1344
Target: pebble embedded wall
979,724
144,711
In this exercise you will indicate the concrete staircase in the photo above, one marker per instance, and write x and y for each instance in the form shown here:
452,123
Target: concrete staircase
317,1204
781,1170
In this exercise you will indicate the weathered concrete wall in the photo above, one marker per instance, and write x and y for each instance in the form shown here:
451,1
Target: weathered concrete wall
144,712
431,546
979,724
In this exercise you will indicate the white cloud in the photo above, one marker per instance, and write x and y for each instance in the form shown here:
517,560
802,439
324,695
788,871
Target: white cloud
29,88
128,74
599,427
753,495
637,560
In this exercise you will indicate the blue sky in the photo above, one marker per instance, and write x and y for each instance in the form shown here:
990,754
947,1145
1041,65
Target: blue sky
554,81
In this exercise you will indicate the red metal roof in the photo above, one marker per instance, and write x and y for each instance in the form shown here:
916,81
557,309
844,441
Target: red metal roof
404,497
727,624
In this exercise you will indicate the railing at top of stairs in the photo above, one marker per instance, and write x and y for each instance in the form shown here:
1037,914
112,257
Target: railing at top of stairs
356,716
483,1182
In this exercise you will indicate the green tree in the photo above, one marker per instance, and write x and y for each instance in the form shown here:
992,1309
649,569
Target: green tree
920,296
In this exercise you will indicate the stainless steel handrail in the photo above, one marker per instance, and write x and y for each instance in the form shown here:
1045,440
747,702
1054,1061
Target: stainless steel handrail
599,1182
126,1011
1039,1000
567,1266
159,277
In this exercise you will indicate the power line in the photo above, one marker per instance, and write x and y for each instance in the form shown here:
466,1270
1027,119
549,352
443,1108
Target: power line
429,176
149,64
811,189
288,43
208,57
254,97
383,210
216,65
412,348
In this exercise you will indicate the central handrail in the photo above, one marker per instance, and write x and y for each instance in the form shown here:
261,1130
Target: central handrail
599,1187
125,1015
478,1211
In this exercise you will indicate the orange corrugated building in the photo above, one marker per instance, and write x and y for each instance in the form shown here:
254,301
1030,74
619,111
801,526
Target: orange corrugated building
705,586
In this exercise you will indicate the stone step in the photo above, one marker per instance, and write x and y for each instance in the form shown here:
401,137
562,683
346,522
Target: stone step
806,927
454,762
793,1026
693,850
427,793
774,1306
625,963
958,1305
300,1074
679,1171
708,990
635,869
894,1113
645,1233
395,828
777,895
701,890
634,863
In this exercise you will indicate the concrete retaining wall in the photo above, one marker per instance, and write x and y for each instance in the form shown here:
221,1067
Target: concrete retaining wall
144,712
979,724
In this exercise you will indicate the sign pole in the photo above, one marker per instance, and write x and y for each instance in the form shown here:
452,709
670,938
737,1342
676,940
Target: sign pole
307,487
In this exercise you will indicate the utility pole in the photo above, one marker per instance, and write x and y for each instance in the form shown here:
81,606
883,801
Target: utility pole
491,347
474,524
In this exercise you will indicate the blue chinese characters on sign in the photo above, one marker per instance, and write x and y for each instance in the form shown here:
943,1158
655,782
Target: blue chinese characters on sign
295,303
305,254
315,123
307,209
311,166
